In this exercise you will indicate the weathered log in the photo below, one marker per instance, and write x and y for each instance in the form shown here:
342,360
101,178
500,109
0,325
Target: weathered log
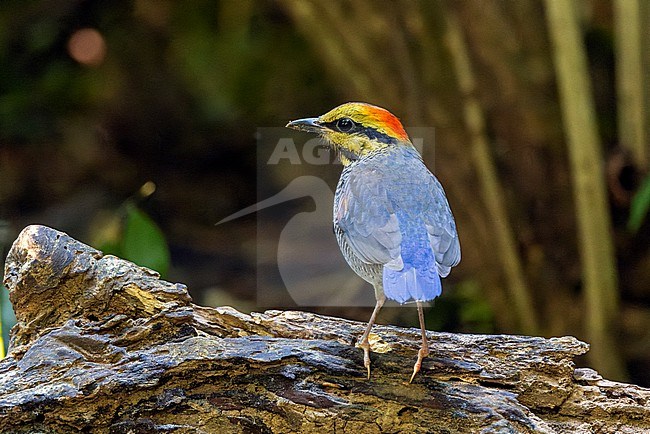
102,345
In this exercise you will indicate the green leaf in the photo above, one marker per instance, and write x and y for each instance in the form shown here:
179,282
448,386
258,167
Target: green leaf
639,206
143,242
7,320
107,232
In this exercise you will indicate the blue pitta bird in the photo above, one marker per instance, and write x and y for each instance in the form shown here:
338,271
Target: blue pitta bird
391,216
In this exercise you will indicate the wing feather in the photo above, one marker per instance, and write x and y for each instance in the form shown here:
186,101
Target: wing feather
370,200
366,216
441,228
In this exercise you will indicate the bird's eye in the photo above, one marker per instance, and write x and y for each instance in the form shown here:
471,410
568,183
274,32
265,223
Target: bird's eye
345,125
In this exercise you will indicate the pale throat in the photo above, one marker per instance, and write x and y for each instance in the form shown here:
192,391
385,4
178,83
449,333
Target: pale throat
355,148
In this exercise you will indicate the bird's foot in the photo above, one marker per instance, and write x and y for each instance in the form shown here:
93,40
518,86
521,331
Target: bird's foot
422,353
365,346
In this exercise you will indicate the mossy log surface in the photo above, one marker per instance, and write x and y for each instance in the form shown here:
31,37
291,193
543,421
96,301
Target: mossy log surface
105,346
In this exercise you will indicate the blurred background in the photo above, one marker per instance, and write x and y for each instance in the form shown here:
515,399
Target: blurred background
131,125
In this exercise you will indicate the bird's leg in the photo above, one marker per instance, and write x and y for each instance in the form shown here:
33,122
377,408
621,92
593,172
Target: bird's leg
365,343
424,350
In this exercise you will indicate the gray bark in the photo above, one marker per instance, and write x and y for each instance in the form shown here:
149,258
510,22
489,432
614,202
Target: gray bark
105,346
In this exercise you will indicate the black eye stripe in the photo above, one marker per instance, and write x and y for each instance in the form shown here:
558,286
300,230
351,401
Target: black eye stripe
374,134
356,128
343,125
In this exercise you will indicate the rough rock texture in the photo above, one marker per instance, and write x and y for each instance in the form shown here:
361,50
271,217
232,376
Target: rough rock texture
104,346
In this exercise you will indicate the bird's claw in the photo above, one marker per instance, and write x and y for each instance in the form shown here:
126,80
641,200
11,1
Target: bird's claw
422,353
366,360
365,346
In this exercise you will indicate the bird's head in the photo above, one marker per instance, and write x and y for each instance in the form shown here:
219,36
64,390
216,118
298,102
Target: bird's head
356,130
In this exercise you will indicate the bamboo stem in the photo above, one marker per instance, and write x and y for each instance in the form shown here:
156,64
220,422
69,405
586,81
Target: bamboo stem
632,120
585,158
491,189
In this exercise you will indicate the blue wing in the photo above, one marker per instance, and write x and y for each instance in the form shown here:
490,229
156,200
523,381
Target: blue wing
441,228
367,218
396,214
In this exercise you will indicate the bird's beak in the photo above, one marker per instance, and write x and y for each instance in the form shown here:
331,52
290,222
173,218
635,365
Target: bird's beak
310,125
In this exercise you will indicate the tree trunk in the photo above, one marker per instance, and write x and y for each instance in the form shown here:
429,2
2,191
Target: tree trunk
102,345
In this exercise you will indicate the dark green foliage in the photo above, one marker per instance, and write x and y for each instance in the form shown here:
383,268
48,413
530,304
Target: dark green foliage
144,242
462,308
138,239
639,206
7,317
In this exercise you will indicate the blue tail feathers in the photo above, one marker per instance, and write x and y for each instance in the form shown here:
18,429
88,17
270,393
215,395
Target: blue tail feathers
418,280
411,283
